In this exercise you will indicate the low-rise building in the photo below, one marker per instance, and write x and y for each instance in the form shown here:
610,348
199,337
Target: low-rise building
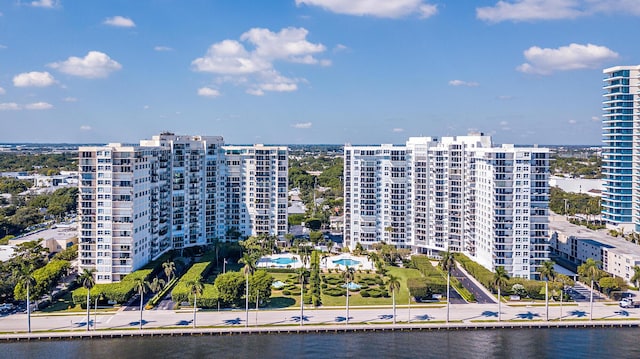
576,244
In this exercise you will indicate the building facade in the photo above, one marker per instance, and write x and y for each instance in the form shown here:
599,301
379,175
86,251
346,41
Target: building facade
621,147
460,194
173,192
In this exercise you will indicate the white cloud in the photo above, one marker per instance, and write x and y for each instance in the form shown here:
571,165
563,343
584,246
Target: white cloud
504,123
397,130
340,47
595,118
38,106
463,83
119,21
572,122
533,10
254,68
572,57
70,99
2,91
163,48
302,125
505,97
85,128
45,3
529,10
377,8
33,79
2,47
9,106
208,92
146,107
94,65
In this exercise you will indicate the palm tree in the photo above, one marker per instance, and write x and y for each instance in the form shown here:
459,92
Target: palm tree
348,277
500,277
88,281
589,269
169,270
156,285
636,275
195,287
547,273
447,263
141,286
301,275
564,280
394,285
248,269
25,277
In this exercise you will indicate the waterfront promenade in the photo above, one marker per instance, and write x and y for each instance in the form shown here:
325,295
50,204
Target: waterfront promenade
168,322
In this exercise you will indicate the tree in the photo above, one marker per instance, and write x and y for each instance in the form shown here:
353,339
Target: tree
230,287
348,277
301,276
589,269
25,277
141,287
87,280
636,275
500,277
547,273
169,270
195,287
156,285
248,269
447,263
564,281
394,285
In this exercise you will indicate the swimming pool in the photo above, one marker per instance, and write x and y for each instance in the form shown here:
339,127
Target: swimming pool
346,262
283,260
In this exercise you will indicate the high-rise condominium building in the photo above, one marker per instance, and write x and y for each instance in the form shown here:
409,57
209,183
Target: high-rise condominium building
459,194
172,192
621,150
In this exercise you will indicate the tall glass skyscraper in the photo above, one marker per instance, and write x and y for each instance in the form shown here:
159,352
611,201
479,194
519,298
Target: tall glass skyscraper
621,150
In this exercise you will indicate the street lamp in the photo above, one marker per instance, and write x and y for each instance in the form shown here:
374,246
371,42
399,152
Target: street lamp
95,312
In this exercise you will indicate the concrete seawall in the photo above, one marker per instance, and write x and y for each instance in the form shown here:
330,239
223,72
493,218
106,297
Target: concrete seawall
107,334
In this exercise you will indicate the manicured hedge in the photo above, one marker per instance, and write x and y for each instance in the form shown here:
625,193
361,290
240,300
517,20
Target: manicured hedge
45,278
122,291
485,277
480,273
181,292
435,282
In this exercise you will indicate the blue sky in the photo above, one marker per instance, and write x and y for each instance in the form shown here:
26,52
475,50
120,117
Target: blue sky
310,71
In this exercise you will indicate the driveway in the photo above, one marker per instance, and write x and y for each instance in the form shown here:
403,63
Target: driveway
481,296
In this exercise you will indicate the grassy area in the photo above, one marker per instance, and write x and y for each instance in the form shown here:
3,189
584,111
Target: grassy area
65,304
281,300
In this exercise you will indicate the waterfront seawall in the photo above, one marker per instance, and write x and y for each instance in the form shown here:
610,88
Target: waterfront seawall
338,328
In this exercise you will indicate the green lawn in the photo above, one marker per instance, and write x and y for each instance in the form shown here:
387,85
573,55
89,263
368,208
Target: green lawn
280,300
65,304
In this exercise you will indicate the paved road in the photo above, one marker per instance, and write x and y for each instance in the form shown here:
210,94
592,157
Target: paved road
481,296
459,312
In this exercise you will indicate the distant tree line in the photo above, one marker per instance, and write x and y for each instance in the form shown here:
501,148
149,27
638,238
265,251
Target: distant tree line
28,211
47,164
577,167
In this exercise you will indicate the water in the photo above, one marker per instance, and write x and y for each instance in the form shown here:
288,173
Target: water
504,343
347,262
283,260
352,286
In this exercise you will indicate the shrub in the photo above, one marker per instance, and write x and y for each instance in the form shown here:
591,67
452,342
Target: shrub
286,292
335,291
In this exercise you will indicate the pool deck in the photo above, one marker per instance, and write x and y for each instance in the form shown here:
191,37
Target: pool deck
297,329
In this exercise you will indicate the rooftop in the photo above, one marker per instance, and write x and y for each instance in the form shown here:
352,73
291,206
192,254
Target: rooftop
559,224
